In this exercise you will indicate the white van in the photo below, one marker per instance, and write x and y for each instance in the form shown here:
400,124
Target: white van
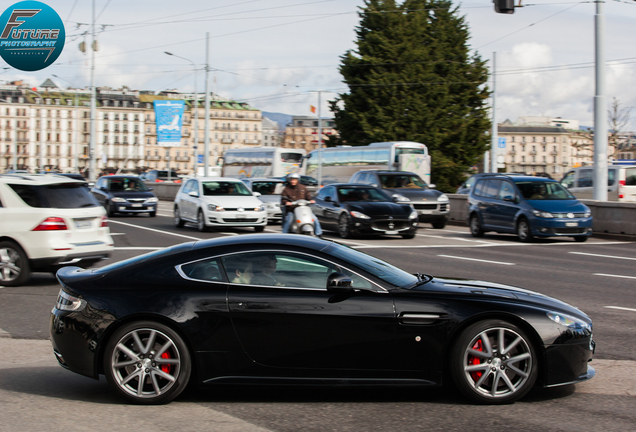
621,184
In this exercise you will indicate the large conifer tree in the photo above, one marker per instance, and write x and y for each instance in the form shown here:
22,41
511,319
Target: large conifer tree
412,78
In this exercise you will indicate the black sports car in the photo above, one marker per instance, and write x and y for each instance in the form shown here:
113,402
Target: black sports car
362,209
291,309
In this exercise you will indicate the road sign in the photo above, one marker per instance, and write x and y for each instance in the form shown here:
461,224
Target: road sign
502,143
200,158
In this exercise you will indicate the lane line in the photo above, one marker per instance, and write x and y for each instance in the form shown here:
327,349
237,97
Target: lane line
475,259
112,234
615,276
620,308
452,238
604,256
155,230
483,245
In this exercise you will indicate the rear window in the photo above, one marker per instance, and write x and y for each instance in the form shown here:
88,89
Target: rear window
630,177
63,195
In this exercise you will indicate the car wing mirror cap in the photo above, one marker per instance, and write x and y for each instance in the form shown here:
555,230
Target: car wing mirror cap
509,198
193,194
339,282
328,199
432,186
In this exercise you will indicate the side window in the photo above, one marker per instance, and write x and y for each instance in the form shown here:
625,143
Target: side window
506,190
611,179
479,188
205,270
568,180
586,178
322,194
362,178
332,194
491,189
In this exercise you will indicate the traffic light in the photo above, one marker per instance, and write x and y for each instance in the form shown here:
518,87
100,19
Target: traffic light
504,6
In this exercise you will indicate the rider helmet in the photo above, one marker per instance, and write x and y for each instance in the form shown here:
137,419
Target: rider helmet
293,176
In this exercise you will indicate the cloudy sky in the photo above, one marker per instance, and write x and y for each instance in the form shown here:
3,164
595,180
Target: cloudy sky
273,53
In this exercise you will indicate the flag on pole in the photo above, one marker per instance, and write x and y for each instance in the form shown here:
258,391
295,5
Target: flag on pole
312,109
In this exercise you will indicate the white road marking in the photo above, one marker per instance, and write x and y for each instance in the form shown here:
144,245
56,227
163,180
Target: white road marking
165,215
475,259
139,248
452,238
620,308
604,256
156,230
482,245
616,276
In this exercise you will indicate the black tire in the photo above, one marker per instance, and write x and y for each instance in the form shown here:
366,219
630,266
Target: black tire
581,239
110,211
439,224
344,226
475,226
152,214
408,235
486,373
201,222
147,374
178,222
259,228
524,230
14,264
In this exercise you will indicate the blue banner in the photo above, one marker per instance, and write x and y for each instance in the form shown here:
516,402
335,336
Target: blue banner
169,119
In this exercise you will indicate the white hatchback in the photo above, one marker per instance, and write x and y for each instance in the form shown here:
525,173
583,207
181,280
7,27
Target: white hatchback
218,202
47,222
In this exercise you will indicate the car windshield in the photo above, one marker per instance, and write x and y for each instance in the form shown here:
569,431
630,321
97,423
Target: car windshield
402,181
268,187
126,185
62,195
378,268
538,190
347,194
215,188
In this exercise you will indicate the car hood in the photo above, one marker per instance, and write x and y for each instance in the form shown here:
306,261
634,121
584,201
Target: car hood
461,286
559,206
416,194
270,198
138,194
232,201
380,208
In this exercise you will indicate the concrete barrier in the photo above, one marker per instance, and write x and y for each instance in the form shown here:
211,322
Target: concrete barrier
165,191
610,217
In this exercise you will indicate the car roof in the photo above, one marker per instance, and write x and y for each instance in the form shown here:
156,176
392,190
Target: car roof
265,239
519,177
120,176
227,179
354,185
37,179
274,179
387,172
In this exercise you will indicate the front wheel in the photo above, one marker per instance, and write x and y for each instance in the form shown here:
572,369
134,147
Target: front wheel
524,231
14,264
259,228
581,239
344,226
201,221
408,235
178,222
147,363
439,224
475,227
152,213
110,210
494,362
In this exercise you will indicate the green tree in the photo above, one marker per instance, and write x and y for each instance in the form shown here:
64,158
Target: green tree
412,78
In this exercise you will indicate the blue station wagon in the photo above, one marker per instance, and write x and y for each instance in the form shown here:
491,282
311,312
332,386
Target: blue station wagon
528,206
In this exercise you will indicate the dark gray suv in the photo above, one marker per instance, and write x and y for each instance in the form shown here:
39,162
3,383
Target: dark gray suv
431,205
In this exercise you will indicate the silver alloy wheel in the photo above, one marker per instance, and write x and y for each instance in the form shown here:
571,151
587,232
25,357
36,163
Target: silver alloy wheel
200,221
497,362
475,227
10,265
343,226
523,230
145,363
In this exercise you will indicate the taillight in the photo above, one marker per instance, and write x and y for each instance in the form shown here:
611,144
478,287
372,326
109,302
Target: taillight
51,224
159,181
620,190
104,223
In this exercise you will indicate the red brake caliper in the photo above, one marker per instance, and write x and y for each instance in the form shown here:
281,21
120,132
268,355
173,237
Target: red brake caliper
475,361
166,367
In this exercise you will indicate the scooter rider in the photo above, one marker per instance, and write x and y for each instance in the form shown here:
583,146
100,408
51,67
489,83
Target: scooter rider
295,191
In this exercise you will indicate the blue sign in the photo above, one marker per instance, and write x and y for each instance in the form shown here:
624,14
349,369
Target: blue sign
32,35
169,119
502,143
200,158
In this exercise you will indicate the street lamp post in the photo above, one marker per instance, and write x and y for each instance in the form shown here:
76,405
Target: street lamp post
196,112
41,145
75,129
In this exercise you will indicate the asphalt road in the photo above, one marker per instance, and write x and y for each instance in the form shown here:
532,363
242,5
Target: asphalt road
599,277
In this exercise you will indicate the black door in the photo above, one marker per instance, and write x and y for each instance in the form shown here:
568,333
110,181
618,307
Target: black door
285,317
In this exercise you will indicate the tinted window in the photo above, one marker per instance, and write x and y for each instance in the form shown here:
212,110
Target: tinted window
65,195
537,190
568,180
211,188
393,181
507,190
360,194
630,177
479,188
267,187
491,189
290,157
205,270
586,178
126,185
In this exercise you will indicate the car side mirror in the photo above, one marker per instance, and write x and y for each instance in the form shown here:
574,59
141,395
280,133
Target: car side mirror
256,194
432,186
339,282
150,188
194,194
509,198
103,188
374,184
328,199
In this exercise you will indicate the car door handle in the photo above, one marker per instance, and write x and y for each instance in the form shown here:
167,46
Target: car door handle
415,318
253,305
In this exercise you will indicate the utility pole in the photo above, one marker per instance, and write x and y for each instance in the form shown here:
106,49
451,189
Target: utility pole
75,129
319,140
495,132
600,117
92,150
206,139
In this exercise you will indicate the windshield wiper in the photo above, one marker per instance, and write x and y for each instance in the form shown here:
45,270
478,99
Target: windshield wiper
422,279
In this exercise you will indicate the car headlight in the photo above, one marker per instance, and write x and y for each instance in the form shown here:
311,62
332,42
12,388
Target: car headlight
569,321
151,200
359,215
442,198
542,214
117,199
587,214
213,207
413,215
67,302
401,198
260,209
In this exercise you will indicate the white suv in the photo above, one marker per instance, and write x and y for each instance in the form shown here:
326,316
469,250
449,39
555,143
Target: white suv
47,222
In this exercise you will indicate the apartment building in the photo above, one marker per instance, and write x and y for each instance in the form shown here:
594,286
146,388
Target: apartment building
302,132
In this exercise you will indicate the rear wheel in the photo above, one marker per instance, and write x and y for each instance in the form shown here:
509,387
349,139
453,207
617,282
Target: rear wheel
201,221
494,362
475,226
581,239
524,230
152,213
147,363
344,226
14,264
110,210
178,222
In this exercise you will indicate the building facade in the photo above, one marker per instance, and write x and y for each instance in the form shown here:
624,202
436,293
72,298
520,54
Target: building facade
271,133
302,132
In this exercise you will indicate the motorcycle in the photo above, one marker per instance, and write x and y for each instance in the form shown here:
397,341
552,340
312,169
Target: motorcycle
304,219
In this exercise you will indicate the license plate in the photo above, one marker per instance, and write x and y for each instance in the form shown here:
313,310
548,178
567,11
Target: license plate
136,205
241,216
390,232
122,208
571,224
83,223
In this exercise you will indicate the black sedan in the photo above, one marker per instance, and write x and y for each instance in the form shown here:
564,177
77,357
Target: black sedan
125,194
352,209
282,308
